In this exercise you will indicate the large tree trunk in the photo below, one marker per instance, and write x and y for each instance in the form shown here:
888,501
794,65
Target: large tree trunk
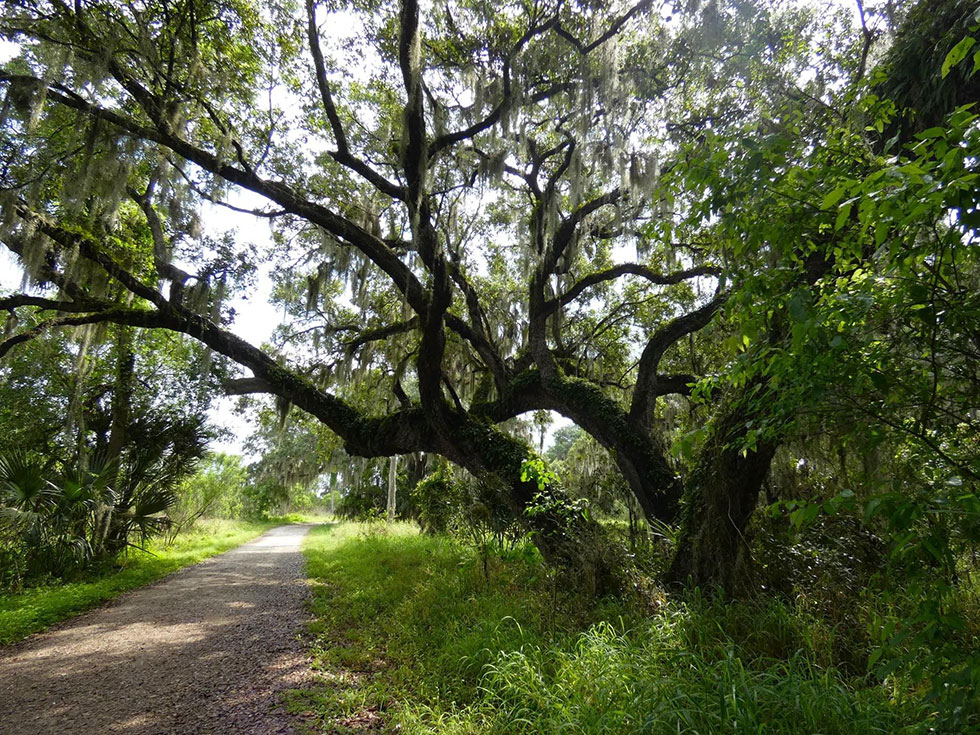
566,540
722,492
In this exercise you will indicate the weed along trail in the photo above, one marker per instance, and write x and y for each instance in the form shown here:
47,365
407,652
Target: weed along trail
210,649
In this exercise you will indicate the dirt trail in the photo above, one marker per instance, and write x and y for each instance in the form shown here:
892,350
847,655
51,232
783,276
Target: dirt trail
207,650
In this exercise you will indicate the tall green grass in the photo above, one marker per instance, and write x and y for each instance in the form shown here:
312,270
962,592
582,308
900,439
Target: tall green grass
36,608
412,634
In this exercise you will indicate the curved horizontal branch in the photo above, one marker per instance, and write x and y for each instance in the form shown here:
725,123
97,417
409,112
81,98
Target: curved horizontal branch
381,333
374,248
634,269
87,249
17,300
646,389
246,386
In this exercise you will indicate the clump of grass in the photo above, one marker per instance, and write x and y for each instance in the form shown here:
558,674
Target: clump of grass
410,630
648,680
36,608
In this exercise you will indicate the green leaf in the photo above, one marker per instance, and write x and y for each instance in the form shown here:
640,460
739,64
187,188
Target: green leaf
842,216
797,309
881,232
957,54
931,133
880,382
833,197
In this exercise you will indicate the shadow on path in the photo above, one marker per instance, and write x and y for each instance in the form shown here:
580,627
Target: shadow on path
209,649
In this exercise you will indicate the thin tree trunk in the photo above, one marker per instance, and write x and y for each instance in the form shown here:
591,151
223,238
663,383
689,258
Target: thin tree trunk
122,397
392,487
75,420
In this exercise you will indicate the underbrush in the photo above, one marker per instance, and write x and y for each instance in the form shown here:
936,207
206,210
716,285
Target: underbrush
38,607
416,633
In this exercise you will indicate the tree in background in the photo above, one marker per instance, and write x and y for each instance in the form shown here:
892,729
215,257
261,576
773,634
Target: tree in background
99,427
217,489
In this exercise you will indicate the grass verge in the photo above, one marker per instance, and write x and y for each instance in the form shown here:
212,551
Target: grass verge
37,608
413,634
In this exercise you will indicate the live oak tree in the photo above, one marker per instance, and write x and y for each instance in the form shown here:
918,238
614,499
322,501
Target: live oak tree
477,145
478,211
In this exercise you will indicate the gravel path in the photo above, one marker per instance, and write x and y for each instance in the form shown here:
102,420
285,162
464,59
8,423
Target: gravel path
209,649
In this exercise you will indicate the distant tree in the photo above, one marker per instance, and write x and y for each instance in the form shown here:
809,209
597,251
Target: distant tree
562,440
217,489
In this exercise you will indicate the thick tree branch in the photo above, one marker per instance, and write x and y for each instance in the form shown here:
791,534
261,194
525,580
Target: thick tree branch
17,300
476,331
246,386
313,36
646,389
164,268
342,155
374,248
398,433
414,161
566,230
88,249
132,317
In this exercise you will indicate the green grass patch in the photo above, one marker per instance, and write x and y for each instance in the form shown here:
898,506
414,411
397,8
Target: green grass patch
414,633
37,608
300,518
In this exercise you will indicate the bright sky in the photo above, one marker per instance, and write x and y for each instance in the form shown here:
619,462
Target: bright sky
255,318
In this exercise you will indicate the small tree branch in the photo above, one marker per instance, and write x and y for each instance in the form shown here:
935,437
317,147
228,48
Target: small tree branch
614,28
381,333
451,139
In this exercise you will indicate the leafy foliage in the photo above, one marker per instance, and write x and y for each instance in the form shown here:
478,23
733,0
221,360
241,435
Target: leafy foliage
439,646
58,519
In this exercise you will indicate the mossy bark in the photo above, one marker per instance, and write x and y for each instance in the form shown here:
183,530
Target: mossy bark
721,494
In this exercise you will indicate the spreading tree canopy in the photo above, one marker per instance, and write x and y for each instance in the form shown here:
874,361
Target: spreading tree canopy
477,211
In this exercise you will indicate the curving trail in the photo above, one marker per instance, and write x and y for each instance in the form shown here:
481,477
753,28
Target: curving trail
209,649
